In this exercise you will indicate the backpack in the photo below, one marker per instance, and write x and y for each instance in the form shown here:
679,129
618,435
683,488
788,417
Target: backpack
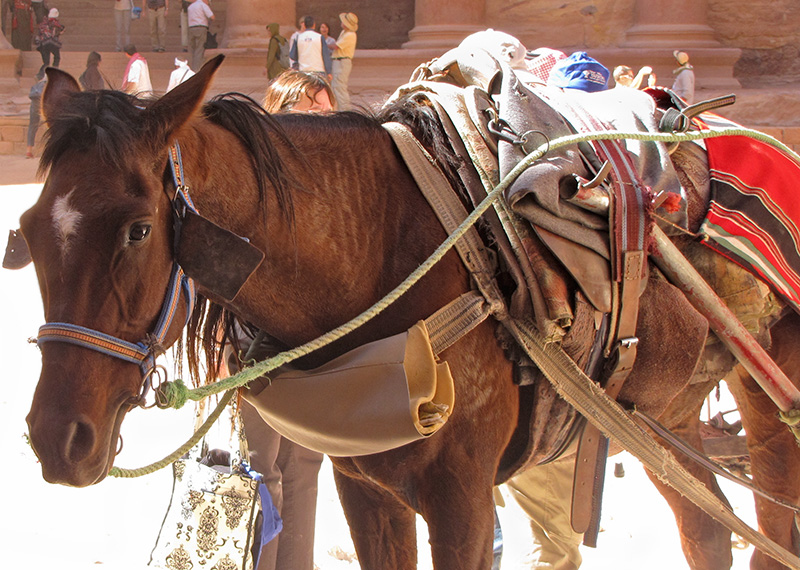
283,55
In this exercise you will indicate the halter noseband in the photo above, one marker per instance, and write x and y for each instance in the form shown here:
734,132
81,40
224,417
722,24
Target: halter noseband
144,352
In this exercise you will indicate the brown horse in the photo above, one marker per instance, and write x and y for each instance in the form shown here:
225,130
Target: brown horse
342,222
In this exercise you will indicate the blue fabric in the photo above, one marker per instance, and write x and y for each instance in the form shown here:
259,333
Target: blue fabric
272,520
579,71
272,523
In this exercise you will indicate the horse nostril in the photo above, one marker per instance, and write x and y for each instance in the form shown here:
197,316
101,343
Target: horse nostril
80,441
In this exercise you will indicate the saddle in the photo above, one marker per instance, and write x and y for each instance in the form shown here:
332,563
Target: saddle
574,243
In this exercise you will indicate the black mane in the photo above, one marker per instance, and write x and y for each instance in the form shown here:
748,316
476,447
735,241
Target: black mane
103,120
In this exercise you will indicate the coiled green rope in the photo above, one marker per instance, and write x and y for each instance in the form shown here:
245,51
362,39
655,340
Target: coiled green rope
176,394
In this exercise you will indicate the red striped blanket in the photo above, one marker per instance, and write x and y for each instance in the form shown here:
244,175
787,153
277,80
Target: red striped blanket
754,212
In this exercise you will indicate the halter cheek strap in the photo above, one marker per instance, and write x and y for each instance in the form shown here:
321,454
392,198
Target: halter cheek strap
144,352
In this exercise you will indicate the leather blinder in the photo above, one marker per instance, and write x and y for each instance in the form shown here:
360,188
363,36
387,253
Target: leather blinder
17,254
217,259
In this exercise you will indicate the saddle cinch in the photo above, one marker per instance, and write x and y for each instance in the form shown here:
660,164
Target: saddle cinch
574,234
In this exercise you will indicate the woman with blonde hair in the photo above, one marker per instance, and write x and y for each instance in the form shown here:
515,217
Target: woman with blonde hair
299,92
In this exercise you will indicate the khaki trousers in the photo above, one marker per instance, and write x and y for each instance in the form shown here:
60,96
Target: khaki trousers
544,493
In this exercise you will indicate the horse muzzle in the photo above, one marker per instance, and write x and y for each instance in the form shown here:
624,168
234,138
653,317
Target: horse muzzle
74,450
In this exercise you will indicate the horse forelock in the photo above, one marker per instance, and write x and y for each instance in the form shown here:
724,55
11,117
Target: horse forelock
105,122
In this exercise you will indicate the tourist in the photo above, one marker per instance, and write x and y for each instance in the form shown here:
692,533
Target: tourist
343,58
683,86
199,17
137,74
157,16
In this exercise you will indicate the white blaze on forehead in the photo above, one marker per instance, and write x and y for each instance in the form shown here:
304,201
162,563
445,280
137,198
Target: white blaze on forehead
65,220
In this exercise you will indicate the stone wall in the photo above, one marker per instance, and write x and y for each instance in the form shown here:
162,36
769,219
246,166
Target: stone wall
768,34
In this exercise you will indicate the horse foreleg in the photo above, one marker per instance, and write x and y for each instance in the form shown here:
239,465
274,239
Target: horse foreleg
774,453
382,527
460,517
706,543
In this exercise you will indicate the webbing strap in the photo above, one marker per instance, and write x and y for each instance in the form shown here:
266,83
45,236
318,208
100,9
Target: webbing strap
451,213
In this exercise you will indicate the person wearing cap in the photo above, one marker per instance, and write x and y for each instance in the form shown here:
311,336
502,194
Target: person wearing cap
343,59
683,86
579,71
48,41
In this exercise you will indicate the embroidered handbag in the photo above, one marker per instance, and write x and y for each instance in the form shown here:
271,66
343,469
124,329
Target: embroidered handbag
218,518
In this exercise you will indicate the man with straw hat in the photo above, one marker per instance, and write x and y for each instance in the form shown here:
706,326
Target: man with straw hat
343,59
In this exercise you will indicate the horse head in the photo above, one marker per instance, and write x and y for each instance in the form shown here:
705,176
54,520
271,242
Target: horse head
101,238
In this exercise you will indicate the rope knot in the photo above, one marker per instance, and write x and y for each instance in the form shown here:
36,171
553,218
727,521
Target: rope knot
172,394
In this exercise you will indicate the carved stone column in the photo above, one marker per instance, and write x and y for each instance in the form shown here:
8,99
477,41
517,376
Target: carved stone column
680,24
10,64
659,28
443,24
246,22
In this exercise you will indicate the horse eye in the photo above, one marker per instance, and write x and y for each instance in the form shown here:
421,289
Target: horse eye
139,232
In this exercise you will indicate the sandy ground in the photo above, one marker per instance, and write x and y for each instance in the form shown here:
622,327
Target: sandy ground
113,525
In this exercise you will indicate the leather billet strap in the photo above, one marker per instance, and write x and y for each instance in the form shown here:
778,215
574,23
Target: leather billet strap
628,220
450,323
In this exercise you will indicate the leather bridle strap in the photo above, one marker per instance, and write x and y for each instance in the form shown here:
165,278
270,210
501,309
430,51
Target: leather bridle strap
144,352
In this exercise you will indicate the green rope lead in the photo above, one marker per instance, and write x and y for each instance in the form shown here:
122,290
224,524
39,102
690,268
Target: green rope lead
176,394
182,450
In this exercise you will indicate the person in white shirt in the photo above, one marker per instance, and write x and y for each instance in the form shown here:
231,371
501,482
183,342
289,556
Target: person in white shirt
310,51
180,74
293,38
137,74
199,16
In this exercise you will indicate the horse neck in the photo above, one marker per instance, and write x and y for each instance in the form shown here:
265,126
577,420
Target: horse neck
360,227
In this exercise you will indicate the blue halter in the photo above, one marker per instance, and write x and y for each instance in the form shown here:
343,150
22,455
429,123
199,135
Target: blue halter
145,352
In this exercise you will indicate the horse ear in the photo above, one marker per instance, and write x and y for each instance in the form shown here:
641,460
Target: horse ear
166,115
59,85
